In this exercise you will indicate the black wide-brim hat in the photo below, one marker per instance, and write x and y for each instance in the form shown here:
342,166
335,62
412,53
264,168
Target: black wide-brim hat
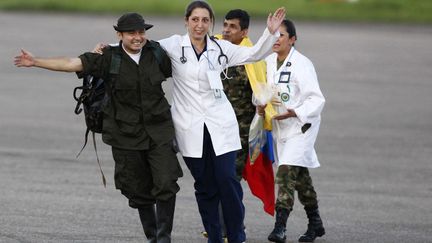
131,22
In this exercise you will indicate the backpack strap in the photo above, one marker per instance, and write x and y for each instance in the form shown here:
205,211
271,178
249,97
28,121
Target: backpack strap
113,73
97,157
115,60
159,53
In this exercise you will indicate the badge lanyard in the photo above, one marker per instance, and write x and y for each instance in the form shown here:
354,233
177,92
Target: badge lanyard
214,79
284,78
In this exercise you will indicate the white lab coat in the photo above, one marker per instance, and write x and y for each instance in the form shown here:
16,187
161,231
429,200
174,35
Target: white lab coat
194,102
302,93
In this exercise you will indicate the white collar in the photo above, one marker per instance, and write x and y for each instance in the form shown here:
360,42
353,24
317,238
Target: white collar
186,42
134,56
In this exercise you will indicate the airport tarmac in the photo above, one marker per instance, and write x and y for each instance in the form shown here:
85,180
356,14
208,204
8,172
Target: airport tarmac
375,142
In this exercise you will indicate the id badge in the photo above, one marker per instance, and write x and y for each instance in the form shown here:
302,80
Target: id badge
215,83
284,77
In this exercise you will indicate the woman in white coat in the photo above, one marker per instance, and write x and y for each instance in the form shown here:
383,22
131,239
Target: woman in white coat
206,128
298,101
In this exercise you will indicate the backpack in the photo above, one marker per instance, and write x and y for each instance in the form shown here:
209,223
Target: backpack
94,97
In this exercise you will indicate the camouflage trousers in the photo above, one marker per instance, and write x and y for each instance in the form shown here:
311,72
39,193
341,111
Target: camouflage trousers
294,178
244,139
243,153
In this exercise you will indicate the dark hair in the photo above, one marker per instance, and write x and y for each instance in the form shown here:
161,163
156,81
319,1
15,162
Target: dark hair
290,28
199,4
241,15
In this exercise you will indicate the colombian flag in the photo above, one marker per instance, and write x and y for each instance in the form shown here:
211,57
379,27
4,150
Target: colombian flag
259,175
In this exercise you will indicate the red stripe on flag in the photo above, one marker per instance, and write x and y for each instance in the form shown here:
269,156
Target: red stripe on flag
260,179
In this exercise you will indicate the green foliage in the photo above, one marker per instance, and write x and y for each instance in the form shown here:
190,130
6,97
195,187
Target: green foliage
340,10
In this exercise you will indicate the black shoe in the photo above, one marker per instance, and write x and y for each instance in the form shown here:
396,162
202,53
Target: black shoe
311,234
278,234
165,216
315,226
148,220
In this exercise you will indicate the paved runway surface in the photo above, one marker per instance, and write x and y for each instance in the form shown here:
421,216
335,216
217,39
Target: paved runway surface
375,143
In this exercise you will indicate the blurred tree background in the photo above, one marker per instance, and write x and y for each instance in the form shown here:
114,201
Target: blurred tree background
406,11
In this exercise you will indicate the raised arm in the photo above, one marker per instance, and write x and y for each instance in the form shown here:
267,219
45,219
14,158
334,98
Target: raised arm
63,64
239,55
275,20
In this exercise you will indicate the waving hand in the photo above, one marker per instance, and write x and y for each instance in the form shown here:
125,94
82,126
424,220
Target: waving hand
275,20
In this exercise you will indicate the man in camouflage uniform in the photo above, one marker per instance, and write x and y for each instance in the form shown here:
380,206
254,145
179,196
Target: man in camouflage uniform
239,93
237,86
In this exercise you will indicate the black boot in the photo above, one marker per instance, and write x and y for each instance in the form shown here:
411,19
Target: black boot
315,227
165,217
148,221
278,233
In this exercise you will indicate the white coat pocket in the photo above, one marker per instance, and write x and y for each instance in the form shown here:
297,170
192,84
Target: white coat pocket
288,128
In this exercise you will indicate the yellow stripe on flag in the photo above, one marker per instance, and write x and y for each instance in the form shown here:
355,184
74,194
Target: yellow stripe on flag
257,74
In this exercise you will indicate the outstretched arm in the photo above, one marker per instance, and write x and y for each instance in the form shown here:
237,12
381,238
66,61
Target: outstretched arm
239,55
275,20
64,64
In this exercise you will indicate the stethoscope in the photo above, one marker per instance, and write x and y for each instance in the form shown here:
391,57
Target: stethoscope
221,56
